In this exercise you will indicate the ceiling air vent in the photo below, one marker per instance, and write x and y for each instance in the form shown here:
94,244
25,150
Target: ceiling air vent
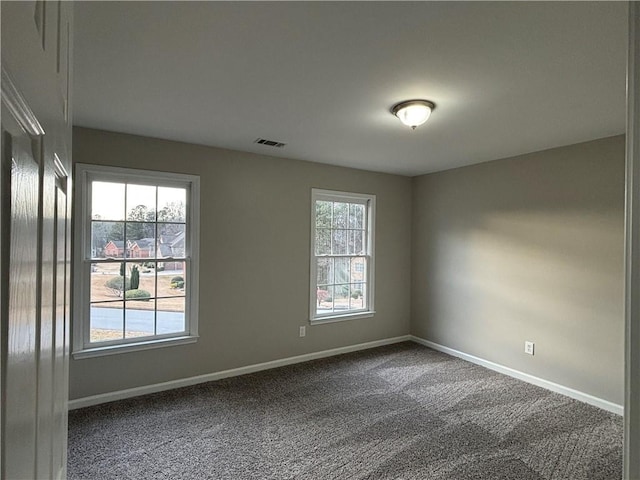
269,143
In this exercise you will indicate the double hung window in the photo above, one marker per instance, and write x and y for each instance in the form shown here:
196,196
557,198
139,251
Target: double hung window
136,259
342,255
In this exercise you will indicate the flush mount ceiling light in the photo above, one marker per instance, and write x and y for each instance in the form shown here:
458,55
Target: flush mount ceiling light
413,113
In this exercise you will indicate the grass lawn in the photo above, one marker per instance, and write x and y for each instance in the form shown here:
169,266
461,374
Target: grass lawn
157,285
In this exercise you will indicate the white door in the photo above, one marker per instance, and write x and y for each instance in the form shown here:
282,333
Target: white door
35,186
19,313
61,326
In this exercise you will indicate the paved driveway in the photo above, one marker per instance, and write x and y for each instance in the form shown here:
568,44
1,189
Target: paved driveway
137,320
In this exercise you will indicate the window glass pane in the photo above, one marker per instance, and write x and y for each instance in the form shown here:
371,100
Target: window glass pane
139,314
171,240
172,204
357,296
340,215
171,315
324,298
106,281
323,214
140,240
323,241
172,280
356,215
342,267
106,321
358,269
146,247
325,271
340,240
107,201
356,246
340,297
147,270
115,246
141,203
107,239
142,278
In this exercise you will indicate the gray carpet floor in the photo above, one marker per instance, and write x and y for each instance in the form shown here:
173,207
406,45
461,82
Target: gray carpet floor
398,412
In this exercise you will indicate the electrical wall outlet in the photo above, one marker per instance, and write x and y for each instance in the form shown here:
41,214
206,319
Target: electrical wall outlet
528,347
303,331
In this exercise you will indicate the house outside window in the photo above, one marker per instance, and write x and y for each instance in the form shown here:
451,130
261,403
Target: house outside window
342,255
136,260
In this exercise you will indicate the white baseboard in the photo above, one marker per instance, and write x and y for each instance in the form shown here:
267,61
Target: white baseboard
234,372
540,382
185,382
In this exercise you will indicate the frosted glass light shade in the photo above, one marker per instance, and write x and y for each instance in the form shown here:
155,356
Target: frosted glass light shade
413,112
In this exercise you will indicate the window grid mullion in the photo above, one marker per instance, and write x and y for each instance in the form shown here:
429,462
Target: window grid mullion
332,226
155,270
124,252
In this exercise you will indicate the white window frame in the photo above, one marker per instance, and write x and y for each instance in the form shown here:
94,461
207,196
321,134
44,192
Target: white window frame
85,174
369,201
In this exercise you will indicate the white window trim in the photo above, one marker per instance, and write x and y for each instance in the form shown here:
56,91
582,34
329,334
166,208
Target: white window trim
84,173
369,201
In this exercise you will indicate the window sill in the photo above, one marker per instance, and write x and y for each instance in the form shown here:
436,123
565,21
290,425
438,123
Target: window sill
133,347
342,318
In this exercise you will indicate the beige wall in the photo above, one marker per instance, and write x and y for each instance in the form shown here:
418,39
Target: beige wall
527,248
254,267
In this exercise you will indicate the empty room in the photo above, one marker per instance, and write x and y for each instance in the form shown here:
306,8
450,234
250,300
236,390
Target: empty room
320,240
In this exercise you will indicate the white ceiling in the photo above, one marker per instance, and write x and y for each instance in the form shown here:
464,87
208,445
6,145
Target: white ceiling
506,77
